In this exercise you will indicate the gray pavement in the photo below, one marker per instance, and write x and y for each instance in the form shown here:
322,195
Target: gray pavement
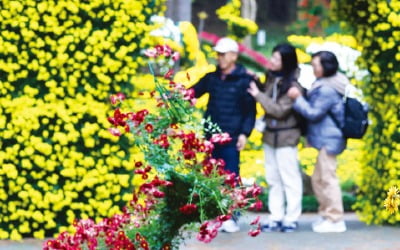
358,236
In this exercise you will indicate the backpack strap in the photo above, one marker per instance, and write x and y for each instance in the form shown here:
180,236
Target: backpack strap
334,119
280,129
344,97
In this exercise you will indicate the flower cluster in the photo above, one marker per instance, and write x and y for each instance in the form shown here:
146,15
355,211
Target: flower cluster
88,231
392,201
182,184
182,38
238,27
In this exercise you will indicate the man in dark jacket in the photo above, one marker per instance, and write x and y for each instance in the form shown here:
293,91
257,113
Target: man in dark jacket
230,106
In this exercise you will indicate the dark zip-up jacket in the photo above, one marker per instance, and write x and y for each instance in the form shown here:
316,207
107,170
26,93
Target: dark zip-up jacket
230,106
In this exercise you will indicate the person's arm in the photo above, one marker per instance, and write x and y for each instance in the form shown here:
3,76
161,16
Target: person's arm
201,87
249,118
319,108
275,110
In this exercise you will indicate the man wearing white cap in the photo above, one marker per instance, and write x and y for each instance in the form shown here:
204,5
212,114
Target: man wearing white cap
230,106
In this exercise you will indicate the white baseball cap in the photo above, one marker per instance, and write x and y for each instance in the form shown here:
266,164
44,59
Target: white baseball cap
226,44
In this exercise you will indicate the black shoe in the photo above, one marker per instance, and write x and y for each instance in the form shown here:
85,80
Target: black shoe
289,227
272,226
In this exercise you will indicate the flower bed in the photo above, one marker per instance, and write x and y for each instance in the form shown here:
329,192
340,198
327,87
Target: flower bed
59,62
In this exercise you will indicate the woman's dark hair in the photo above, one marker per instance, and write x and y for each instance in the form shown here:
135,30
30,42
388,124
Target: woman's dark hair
329,62
289,65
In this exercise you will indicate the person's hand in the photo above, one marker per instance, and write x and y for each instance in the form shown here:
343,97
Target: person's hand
253,90
242,139
294,92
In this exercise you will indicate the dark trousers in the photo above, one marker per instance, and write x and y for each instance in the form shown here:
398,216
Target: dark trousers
230,155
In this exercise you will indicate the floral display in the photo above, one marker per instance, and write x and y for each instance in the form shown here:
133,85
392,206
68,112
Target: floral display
59,61
65,167
182,184
376,25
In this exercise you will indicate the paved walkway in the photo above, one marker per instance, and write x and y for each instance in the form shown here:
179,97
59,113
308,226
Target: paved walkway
357,237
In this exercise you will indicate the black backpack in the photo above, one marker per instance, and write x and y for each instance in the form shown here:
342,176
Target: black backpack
355,118
301,124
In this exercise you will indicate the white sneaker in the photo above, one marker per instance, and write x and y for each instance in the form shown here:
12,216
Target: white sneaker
328,226
318,221
229,226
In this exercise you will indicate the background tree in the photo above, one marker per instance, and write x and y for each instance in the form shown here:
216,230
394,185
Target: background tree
179,10
249,11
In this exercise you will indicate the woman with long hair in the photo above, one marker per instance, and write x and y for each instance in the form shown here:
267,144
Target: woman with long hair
280,139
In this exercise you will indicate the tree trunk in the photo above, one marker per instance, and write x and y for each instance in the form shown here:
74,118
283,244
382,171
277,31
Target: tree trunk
179,10
249,11
281,11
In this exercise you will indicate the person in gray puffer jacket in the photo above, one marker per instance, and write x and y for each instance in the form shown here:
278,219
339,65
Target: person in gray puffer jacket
323,101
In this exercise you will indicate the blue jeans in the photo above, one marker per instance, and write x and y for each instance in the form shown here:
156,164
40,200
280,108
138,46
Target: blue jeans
230,155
